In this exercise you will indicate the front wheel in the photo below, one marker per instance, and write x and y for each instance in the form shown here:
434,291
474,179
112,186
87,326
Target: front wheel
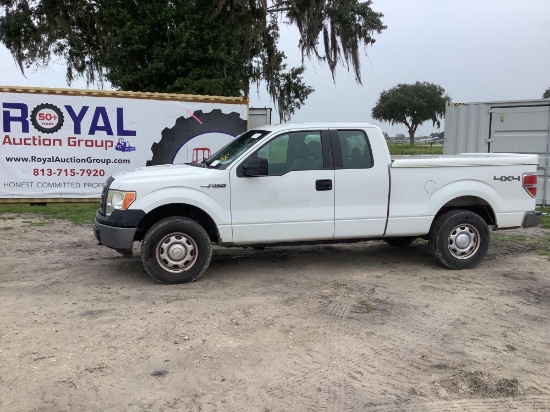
459,239
176,250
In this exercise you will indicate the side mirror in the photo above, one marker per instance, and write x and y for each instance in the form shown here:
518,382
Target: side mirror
255,167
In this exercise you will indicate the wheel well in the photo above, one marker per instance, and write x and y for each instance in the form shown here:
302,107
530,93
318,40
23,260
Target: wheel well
178,209
472,204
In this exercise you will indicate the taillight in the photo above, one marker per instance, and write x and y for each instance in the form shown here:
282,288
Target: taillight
530,183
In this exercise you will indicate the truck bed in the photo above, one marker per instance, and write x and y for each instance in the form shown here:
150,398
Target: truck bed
465,159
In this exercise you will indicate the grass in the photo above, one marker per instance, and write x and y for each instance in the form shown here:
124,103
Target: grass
545,218
78,213
544,252
541,244
417,149
498,238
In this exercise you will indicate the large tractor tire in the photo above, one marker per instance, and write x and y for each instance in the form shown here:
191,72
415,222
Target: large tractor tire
187,128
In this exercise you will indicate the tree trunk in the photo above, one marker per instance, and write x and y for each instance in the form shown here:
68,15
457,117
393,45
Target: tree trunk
411,136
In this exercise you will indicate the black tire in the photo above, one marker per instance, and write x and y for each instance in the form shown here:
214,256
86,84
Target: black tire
459,239
186,128
187,257
400,241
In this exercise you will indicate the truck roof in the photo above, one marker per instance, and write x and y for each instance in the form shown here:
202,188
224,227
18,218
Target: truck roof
319,125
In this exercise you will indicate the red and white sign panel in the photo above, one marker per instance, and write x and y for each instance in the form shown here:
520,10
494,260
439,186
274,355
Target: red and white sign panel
64,146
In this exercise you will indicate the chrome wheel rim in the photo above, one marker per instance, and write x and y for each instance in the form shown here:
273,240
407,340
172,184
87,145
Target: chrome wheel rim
177,252
464,241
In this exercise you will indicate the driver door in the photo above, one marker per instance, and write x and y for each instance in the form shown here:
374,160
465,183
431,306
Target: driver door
295,200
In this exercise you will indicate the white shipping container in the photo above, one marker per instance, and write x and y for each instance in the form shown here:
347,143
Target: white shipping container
521,126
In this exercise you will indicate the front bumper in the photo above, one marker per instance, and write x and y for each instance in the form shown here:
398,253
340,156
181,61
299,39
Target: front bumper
531,219
120,238
118,230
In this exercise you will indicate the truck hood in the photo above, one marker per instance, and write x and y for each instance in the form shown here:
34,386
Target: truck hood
169,175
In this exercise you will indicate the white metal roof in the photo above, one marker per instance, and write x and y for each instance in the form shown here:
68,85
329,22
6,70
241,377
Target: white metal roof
506,102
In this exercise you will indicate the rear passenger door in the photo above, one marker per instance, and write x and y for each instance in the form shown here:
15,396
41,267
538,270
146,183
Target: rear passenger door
361,184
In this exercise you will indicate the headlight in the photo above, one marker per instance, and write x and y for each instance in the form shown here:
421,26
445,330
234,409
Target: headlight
118,200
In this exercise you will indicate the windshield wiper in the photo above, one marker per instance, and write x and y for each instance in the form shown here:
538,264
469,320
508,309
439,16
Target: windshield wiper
202,163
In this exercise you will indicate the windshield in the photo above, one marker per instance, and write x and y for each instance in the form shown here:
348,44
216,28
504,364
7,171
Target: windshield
227,155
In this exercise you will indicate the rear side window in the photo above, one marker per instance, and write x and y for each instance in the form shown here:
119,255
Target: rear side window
356,152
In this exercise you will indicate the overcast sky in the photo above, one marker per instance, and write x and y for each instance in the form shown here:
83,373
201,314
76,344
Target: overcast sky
477,50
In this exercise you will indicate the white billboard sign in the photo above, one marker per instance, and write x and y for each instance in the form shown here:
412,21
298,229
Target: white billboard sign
66,146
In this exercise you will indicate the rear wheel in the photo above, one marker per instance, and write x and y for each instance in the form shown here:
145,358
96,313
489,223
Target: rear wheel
176,250
459,239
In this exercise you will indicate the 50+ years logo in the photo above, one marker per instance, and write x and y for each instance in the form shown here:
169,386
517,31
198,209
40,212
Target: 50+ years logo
47,118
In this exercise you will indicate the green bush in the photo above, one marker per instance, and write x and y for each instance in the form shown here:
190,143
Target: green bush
417,149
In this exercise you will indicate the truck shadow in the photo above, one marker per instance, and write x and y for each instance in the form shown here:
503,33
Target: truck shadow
373,256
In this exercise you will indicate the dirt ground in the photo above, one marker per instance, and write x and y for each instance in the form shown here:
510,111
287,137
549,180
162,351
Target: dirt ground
363,327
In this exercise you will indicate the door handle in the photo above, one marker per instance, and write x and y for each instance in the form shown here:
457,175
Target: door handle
323,184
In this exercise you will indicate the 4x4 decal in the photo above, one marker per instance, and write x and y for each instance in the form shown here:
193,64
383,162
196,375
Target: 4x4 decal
507,178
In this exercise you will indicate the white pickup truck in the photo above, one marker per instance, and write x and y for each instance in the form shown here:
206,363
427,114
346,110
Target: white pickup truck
314,183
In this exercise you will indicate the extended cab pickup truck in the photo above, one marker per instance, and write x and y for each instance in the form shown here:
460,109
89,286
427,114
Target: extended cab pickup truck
314,183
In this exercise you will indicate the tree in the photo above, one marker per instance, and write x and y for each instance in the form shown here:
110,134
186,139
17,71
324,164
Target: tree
546,94
218,47
412,105
157,48
291,92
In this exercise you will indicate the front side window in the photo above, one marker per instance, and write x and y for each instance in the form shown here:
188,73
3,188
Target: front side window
356,153
293,151
229,153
